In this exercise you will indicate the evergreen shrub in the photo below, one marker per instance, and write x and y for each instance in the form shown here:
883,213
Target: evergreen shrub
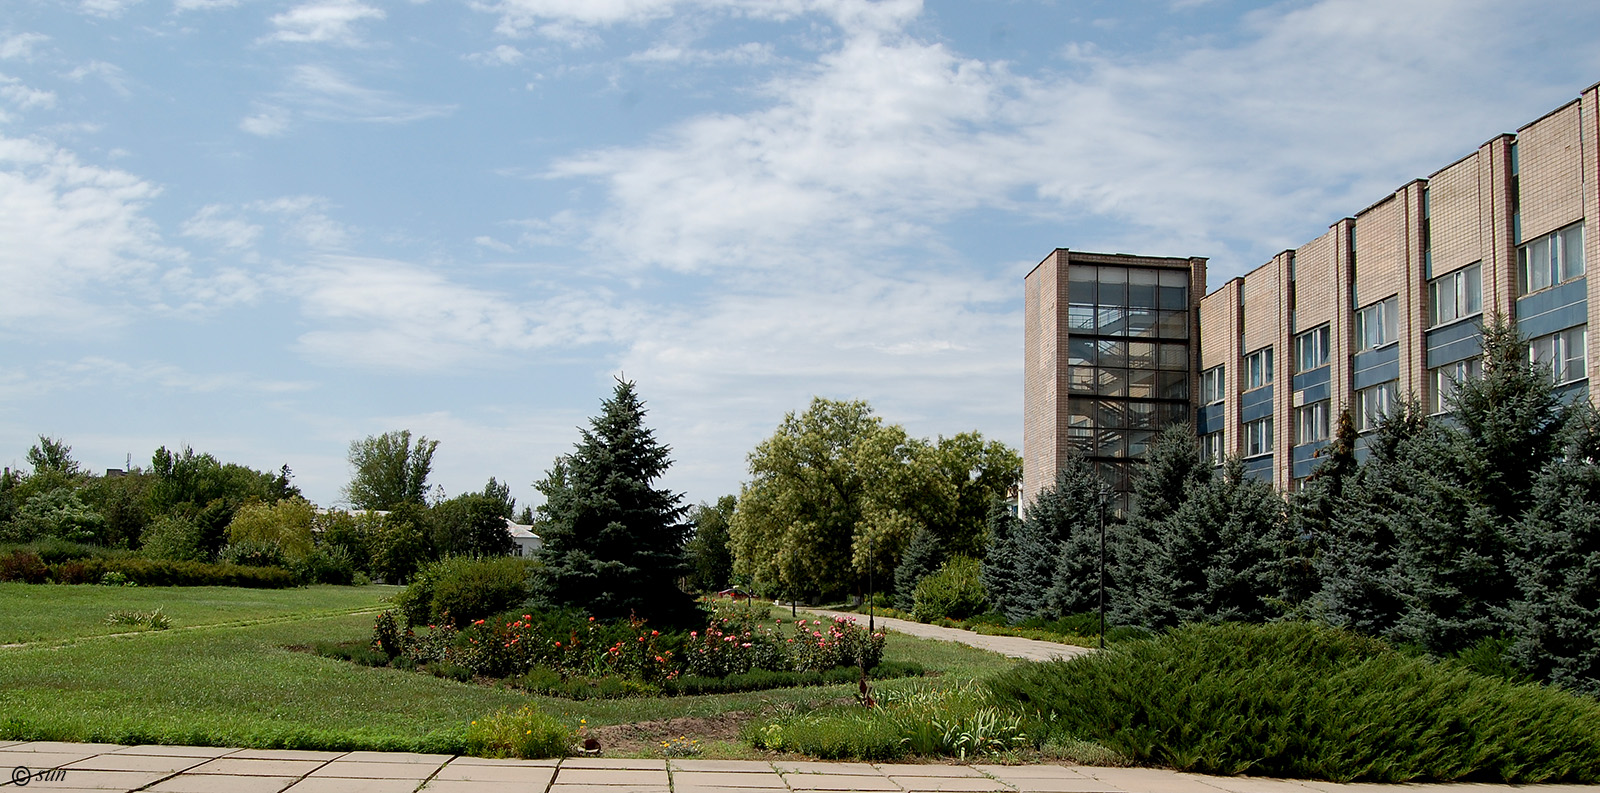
954,592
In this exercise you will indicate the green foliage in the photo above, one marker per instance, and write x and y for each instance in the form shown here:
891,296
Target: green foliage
155,620
922,558
123,503
387,470
1173,468
162,572
1058,548
400,544
355,535
836,496
526,733
1554,558
473,524
254,553
325,565
58,512
955,591
957,722
52,455
613,543
23,566
1303,701
286,524
710,558
173,539
460,589
206,492
1001,559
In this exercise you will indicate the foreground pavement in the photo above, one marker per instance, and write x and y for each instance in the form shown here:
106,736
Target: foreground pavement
200,769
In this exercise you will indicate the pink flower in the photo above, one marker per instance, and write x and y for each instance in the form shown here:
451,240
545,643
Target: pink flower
693,634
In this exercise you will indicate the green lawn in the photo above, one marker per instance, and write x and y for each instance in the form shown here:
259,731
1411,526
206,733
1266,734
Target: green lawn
35,612
236,683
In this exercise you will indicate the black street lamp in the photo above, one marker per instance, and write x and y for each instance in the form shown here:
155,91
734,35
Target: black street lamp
871,626
1101,494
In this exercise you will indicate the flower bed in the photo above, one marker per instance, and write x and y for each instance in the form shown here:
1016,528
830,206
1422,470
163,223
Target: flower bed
564,653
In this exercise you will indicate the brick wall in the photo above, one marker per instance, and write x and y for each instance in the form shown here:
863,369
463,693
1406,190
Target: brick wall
1551,169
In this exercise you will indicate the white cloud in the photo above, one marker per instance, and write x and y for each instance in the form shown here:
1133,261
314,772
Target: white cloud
323,22
386,314
307,221
110,74
747,54
76,249
109,375
203,5
268,121
20,46
491,243
322,93
106,8
212,224
574,21
503,55
21,96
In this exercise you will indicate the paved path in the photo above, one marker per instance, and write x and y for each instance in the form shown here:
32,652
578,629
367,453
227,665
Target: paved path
1013,646
198,769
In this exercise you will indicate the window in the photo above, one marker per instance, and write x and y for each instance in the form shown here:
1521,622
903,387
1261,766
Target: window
1375,324
1311,423
1211,447
1258,437
1258,368
1373,405
1550,259
1212,386
1311,349
1561,355
1456,295
1443,382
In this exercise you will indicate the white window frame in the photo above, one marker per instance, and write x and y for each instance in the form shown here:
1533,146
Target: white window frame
1311,422
1550,259
1562,355
1213,386
1258,369
1258,437
1444,380
1311,349
1373,405
1377,325
1211,447
1456,295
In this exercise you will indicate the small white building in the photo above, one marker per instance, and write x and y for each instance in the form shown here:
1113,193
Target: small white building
527,542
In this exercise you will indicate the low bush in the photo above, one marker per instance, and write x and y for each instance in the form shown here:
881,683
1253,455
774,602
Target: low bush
960,722
1306,701
461,589
253,553
54,550
955,591
525,733
23,566
154,572
172,539
834,734
325,565
761,680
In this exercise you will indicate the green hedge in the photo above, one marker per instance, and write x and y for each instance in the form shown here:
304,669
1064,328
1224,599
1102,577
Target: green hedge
153,572
1303,700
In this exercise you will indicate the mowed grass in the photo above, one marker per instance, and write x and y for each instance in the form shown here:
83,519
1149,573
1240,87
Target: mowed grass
44,612
237,683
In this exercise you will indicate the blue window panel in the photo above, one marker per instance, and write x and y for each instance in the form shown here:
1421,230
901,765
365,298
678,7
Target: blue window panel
1453,343
1315,393
1259,468
1557,308
1211,418
1572,392
1315,377
1256,404
1305,458
1377,366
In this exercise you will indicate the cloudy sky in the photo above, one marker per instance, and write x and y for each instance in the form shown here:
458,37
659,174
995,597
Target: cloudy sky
264,228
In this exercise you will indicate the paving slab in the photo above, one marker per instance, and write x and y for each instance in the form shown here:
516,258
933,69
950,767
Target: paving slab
721,765
395,757
728,779
245,766
1256,784
910,769
136,762
177,751
953,784
611,776
333,785
1046,771
286,754
560,788
345,770
508,761
213,783
99,780
614,762
460,786
10,759
840,782
1152,780
64,746
529,775
813,767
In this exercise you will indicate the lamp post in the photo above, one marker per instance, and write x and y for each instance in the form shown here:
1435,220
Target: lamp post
871,614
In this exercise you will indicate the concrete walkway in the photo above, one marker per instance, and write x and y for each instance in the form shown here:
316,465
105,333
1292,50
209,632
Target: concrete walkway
1013,646
196,769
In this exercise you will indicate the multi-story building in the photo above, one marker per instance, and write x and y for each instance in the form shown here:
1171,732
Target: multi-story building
1385,306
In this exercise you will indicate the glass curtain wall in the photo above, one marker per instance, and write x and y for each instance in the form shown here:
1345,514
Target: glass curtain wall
1127,363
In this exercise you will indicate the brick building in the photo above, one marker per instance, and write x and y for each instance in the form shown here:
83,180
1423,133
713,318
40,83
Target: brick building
1386,305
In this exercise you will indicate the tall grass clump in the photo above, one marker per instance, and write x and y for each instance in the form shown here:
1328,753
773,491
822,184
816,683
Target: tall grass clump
925,720
1306,701
527,733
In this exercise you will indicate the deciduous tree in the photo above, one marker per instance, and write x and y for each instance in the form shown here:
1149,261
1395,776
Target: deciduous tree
388,470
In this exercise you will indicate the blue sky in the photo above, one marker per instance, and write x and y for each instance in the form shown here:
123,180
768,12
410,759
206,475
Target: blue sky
265,228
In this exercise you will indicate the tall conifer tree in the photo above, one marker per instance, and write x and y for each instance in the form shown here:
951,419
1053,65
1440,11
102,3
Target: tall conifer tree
613,542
